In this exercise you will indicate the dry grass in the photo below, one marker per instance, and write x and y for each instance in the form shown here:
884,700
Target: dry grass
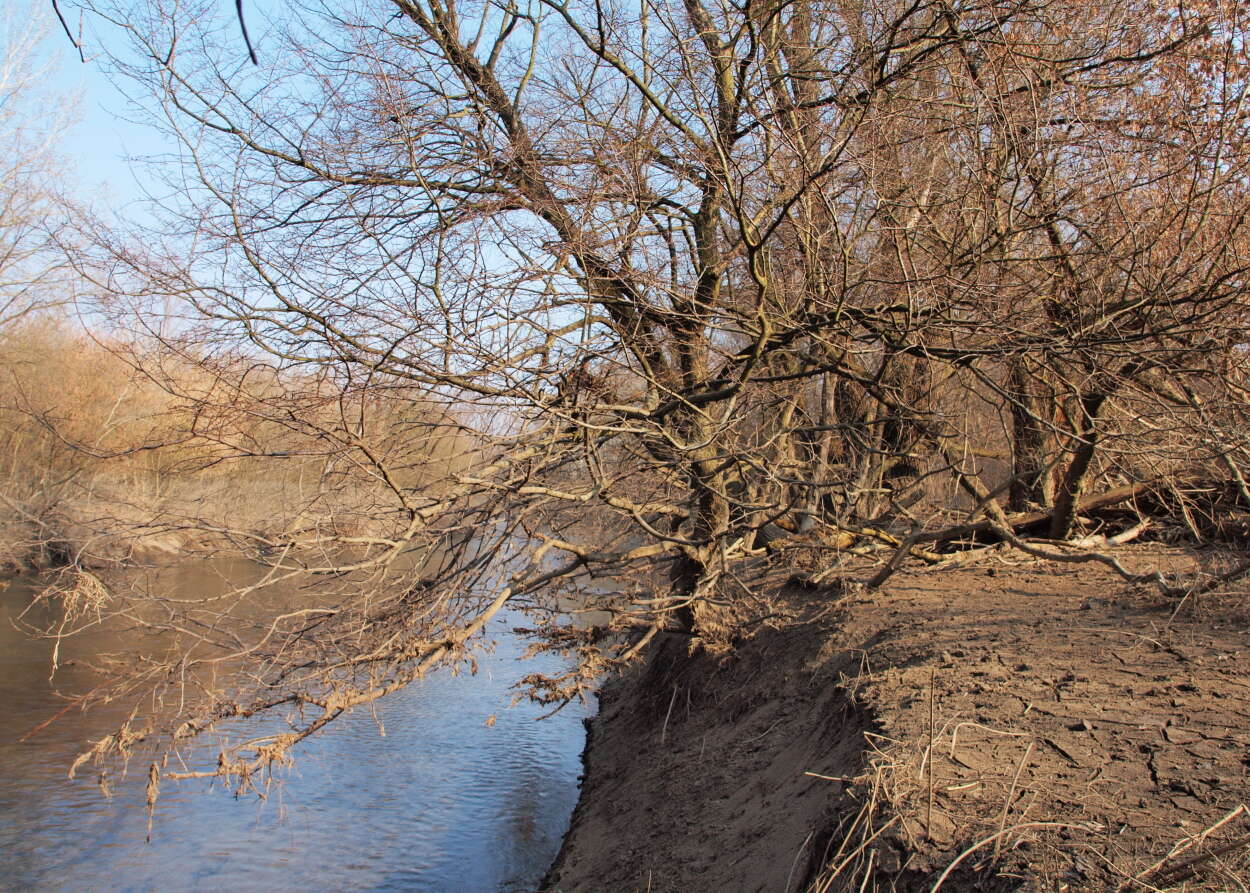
113,451
981,849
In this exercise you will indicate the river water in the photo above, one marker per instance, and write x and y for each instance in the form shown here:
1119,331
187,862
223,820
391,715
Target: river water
440,802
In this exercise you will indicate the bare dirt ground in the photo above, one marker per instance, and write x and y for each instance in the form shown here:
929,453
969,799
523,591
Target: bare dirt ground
1018,725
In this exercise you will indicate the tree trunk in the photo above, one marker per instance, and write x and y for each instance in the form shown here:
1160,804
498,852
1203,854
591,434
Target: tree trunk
1074,477
1030,485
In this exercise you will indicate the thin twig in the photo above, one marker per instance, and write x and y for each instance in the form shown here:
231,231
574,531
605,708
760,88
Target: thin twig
928,822
671,702
68,33
988,840
251,53
1182,847
1011,793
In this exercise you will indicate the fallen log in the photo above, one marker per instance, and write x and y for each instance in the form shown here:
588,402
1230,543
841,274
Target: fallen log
1027,522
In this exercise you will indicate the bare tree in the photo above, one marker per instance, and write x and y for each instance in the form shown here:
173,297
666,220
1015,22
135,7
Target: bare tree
683,275
31,120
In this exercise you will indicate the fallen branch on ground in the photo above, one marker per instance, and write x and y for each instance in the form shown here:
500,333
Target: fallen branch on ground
1028,520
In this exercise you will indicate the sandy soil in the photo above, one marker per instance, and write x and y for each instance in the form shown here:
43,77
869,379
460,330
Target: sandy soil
1017,725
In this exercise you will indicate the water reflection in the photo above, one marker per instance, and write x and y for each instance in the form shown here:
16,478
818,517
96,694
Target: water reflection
439,802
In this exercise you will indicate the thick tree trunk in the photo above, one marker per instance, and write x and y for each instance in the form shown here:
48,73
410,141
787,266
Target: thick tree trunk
1030,485
709,518
1074,477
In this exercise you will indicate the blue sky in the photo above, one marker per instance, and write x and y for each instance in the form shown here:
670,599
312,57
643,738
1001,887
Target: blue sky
98,145
106,145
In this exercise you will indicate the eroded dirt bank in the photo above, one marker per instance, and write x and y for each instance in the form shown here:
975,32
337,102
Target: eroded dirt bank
1069,724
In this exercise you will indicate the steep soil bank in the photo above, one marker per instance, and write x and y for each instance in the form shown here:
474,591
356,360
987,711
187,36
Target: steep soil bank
1084,736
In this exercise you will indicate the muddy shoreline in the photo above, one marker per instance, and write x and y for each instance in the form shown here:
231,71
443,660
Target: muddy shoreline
1018,725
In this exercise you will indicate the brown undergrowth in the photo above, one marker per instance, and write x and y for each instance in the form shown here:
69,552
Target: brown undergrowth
102,464
116,451
1017,725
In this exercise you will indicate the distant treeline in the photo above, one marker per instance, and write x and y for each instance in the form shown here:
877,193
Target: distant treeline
114,450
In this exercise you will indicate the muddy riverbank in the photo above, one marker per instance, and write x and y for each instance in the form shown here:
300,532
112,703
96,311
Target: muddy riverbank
1016,725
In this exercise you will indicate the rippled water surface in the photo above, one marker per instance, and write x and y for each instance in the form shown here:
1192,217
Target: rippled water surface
440,802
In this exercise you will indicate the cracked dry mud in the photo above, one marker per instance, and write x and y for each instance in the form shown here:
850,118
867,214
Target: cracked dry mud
1013,726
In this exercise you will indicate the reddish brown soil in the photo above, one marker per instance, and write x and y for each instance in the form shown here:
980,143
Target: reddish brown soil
1084,736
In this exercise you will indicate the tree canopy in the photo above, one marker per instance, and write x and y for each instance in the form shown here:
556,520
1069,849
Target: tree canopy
578,303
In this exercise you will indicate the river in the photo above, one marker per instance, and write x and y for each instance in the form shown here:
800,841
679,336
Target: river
441,802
